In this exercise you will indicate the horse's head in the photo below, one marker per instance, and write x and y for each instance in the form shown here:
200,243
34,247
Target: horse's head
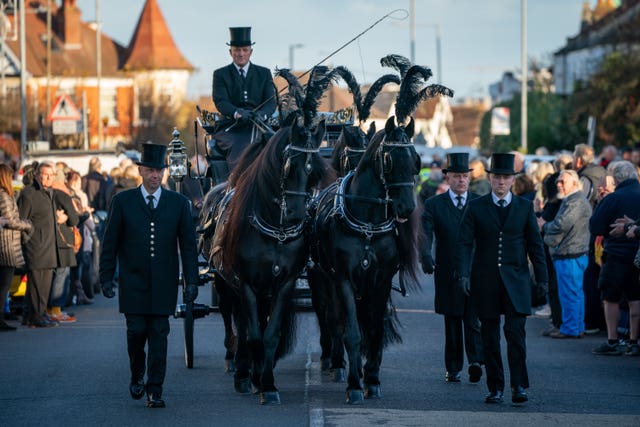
349,149
299,161
397,164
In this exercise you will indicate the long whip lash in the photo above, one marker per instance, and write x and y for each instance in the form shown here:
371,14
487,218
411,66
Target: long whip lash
369,28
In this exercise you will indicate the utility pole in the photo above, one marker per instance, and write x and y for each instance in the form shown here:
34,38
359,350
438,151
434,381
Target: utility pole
48,107
412,30
23,81
98,114
523,86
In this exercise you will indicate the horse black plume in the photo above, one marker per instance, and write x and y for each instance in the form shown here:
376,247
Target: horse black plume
352,84
295,98
397,62
319,80
374,90
411,91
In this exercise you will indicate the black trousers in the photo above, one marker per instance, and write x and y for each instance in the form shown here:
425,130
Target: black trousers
514,333
38,290
454,326
6,276
142,329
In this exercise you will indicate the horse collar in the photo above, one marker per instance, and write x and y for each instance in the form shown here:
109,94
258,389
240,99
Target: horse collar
340,210
281,234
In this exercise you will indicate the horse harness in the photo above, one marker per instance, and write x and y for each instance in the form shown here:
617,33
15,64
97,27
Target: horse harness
280,232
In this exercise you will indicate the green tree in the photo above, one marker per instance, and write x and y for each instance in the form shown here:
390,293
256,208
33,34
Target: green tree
548,125
611,96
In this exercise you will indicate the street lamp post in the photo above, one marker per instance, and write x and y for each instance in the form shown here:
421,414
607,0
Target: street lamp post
292,47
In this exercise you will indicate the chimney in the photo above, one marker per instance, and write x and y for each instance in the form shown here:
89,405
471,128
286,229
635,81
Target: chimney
587,16
68,24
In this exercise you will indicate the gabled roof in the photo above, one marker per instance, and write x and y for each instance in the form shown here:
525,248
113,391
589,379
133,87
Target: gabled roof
65,62
152,46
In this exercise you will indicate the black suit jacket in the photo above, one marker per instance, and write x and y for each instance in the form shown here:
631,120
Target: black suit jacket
229,91
145,244
500,254
441,219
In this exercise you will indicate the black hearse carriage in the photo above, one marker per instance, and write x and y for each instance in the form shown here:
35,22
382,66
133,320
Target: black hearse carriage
218,171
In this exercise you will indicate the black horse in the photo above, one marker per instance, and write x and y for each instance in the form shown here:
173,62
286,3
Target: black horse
347,152
367,229
212,207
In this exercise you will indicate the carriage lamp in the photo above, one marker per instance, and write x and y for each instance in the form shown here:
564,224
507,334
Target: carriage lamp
178,165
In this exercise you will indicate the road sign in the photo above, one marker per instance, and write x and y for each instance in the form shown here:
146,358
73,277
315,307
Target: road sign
64,109
64,127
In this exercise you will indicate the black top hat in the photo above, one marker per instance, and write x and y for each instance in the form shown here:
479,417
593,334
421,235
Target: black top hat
457,162
240,36
153,156
503,164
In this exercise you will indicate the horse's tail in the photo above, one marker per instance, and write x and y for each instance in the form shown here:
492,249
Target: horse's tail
390,326
391,334
410,239
288,329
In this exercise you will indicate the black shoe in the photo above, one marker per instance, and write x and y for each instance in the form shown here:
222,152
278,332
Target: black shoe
137,390
154,400
4,326
518,395
475,372
452,377
493,397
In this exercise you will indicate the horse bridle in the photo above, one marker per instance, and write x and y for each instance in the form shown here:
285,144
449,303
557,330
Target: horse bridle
280,232
386,163
347,154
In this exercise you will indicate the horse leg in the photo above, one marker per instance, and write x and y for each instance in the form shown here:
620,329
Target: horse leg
375,324
335,324
352,340
272,338
246,321
226,304
319,301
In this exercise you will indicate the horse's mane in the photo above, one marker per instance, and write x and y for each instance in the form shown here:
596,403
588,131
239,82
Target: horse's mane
247,157
259,184
255,186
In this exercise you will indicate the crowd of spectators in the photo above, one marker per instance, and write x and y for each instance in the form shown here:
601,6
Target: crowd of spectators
589,214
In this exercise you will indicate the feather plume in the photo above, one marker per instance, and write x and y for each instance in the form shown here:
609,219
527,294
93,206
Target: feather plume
374,90
352,84
411,84
319,80
296,91
425,94
397,62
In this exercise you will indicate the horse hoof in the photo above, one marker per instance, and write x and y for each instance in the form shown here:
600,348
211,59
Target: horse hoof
355,397
229,365
270,398
372,391
338,375
242,385
325,364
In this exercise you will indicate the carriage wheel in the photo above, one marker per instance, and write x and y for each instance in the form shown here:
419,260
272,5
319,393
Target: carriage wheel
188,335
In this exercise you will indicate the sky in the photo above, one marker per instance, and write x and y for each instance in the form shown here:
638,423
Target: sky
479,39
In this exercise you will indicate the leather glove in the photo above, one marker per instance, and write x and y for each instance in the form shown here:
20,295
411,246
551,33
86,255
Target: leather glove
190,293
108,289
465,284
427,264
244,114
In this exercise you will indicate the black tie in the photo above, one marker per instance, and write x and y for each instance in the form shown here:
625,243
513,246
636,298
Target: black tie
150,203
241,71
502,203
459,205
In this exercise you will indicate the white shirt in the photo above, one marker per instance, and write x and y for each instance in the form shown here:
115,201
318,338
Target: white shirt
156,195
455,200
506,198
